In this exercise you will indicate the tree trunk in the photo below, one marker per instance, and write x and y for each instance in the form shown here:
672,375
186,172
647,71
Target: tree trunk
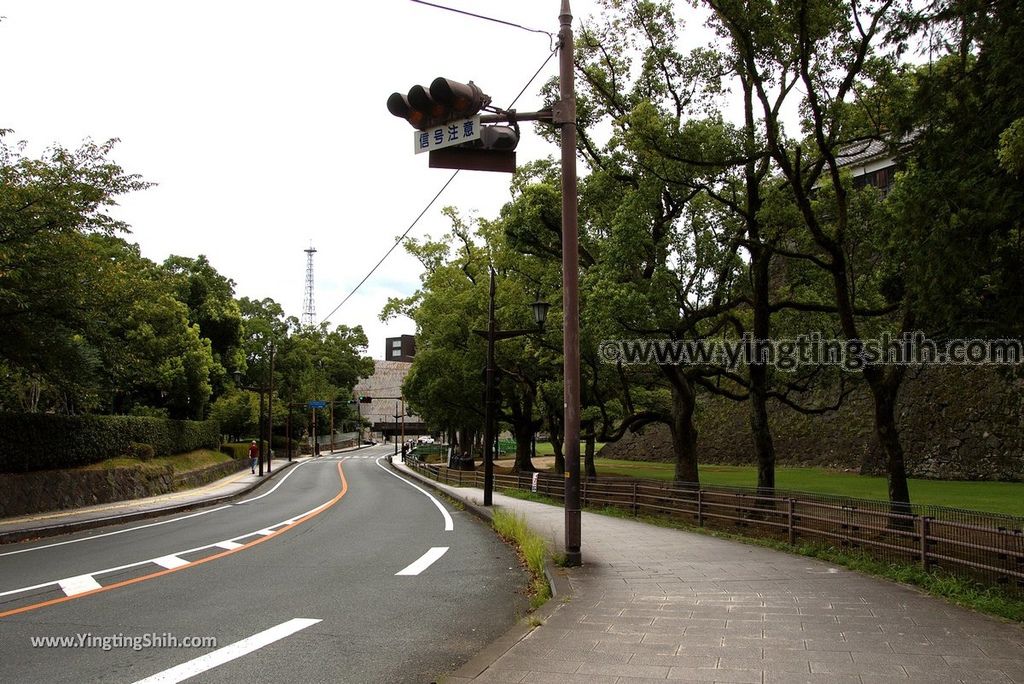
556,446
523,431
588,453
764,448
684,433
884,390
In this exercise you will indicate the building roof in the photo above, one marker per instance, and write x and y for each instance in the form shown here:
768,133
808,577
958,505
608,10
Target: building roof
862,152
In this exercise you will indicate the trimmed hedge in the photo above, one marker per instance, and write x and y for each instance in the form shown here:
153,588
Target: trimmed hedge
39,441
238,450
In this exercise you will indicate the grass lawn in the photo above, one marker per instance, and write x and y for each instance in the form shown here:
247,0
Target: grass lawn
181,463
996,497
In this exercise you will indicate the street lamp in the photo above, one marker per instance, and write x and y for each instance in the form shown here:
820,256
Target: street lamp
492,334
268,387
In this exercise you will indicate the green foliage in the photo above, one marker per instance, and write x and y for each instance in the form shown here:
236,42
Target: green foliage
143,452
236,450
46,441
532,548
236,412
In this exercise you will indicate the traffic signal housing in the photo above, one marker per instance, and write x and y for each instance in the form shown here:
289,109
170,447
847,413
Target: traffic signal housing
494,151
446,100
365,400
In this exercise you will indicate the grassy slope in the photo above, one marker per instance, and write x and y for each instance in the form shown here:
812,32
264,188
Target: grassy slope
193,460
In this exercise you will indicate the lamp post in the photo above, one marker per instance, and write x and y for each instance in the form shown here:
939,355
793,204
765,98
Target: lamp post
266,386
492,334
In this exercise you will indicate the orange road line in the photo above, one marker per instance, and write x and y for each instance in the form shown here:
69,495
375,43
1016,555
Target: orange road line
161,573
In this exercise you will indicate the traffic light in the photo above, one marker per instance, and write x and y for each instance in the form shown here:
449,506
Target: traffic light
445,101
365,400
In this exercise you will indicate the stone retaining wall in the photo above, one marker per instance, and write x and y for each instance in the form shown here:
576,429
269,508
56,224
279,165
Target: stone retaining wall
49,490
955,423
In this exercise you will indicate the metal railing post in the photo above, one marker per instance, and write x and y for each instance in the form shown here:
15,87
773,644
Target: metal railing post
924,542
789,522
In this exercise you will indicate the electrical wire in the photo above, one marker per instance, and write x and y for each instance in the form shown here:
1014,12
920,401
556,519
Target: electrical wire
393,247
486,18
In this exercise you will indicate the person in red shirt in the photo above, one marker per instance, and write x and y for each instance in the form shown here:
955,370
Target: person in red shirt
254,453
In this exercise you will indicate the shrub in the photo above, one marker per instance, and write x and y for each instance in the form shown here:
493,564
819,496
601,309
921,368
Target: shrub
141,451
36,441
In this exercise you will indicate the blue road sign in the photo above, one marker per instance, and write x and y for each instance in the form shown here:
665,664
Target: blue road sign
316,404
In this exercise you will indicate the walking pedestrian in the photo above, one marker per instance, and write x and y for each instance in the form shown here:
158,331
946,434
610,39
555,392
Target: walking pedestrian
254,453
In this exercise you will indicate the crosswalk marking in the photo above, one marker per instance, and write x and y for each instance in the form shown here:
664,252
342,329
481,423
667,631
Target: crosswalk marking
170,562
78,585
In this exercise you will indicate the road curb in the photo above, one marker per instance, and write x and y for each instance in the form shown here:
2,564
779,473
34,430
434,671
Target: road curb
15,536
561,593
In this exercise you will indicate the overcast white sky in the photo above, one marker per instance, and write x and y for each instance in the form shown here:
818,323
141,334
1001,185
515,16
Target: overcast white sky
264,125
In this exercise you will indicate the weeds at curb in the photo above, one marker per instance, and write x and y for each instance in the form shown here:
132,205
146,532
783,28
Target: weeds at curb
532,549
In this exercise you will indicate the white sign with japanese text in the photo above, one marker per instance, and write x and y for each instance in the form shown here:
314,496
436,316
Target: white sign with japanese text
447,135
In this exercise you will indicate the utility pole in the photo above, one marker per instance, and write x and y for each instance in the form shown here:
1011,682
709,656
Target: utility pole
565,119
270,411
489,401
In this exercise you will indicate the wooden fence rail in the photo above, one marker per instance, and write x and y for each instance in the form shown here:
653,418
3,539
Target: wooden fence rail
984,547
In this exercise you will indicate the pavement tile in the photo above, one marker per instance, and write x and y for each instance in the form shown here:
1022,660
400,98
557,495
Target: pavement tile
973,676
856,668
570,655
724,676
625,670
681,660
637,649
513,661
896,679
543,677
738,663
492,676
794,678
934,663
802,656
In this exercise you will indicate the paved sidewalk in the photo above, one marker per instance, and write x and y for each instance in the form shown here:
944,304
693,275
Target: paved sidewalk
652,604
51,523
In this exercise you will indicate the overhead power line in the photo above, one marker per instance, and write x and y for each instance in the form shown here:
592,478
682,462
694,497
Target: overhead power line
486,18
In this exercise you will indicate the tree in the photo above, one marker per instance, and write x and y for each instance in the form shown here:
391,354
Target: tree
209,297
48,270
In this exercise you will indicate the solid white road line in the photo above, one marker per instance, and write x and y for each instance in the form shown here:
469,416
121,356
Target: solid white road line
274,488
448,524
230,652
78,585
425,561
170,562
110,534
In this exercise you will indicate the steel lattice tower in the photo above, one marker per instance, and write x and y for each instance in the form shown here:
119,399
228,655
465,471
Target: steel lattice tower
308,306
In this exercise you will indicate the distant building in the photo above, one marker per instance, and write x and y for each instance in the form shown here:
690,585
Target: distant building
384,410
400,348
875,162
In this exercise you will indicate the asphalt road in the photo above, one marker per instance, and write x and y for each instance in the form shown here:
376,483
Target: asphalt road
336,571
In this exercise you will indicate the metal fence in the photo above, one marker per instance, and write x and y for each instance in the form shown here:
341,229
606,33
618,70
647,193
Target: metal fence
984,547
